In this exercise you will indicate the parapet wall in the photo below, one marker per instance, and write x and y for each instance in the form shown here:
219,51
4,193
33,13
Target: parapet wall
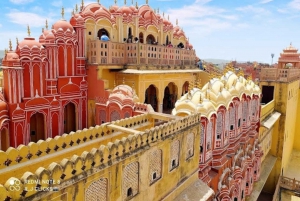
67,167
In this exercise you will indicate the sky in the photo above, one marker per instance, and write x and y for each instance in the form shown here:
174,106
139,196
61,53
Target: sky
242,30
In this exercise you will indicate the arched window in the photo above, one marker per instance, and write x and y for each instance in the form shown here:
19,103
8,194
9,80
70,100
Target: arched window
150,39
240,112
141,37
167,40
219,126
209,136
114,116
245,111
102,32
232,118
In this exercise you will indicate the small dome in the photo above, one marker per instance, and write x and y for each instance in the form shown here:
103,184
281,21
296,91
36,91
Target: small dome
113,8
125,10
76,20
12,56
30,43
62,24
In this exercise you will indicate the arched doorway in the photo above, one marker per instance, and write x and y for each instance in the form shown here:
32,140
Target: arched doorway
4,139
151,97
101,32
129,33
69,118
167,40
150,39
170,98
37,127
185,88
141,37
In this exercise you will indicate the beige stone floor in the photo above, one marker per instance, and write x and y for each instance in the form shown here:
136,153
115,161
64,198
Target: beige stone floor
293,169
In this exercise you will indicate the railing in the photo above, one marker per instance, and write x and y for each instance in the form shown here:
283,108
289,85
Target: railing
290,184
101,52
279,74
286,183
267,109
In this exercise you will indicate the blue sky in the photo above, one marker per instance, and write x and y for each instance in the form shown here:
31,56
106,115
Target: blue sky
245,30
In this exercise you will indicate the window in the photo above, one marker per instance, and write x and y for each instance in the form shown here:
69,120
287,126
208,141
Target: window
154,176
173,163
90,33
267,94
155,165
239,123
129,192
231,127
174,154
201,149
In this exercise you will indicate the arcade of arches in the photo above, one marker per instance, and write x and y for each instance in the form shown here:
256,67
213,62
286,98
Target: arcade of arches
160,90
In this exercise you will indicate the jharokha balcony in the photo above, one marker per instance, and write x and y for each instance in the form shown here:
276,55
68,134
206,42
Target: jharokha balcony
138,55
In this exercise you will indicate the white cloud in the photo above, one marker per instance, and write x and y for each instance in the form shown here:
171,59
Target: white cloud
265,1
252,9
21,1
57,3
0,25
295,4
24,18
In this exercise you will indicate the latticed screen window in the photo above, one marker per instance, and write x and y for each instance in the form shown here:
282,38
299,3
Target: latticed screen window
155,165
97,190
226,123
209,135
232,118
130,185
175,148
240,112
114,116
245,111
190,145
126,115
201,138
102,116
219,126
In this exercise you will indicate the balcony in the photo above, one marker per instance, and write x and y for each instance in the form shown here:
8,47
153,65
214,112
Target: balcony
279,74
134,55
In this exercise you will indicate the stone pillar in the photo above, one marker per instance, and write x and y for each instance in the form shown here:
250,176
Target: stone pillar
160,107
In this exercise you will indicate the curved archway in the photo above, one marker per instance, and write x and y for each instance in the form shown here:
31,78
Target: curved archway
167,40
185,88
4,139
70,118
102,32
150,39
170,97
151,97
37,127
141,37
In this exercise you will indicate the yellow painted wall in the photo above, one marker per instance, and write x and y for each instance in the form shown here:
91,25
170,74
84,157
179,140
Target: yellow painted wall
283,134
297,140
111,156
